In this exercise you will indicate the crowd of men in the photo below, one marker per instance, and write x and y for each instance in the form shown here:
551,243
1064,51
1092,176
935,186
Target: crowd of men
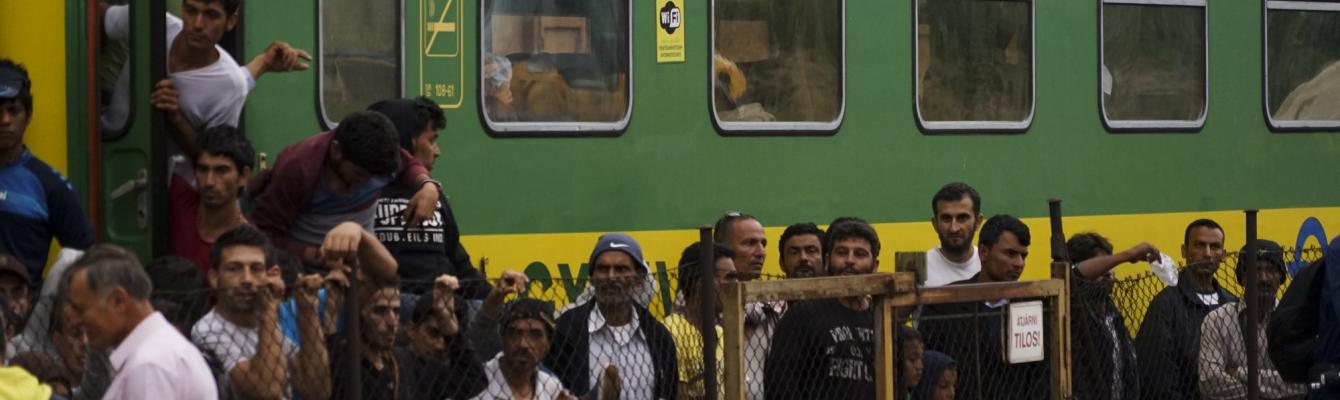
248,302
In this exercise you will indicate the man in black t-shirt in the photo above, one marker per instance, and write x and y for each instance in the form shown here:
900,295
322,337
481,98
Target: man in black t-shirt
426,252
824,349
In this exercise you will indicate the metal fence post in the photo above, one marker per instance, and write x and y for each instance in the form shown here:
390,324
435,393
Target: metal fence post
733,328
1060,360
1251,293
353,387
708,314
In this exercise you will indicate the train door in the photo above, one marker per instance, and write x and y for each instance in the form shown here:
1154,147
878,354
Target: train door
132,169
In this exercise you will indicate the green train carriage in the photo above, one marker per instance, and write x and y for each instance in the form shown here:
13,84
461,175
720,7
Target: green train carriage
1140,114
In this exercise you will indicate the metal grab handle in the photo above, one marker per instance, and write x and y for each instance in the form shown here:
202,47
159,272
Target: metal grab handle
141,181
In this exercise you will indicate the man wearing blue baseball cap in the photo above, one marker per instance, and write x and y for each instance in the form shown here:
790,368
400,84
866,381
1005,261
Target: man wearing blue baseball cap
36,202
614,330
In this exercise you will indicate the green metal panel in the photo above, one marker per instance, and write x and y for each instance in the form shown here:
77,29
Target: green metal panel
671,169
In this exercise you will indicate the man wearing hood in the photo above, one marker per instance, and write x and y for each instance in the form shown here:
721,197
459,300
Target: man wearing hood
425,252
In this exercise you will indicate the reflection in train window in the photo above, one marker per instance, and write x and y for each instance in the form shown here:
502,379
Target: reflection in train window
1302,72
555,65
1153,68
974,64
778,65
360,56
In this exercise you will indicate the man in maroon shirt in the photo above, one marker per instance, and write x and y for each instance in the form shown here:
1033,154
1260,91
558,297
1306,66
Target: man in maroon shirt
335,177
201,214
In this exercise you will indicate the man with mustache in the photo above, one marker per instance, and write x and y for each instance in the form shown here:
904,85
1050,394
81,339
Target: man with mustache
243,332
527,325
971,332
824,349
615,330
802,250
1223,350
1169,338
956,211
202,213
37,204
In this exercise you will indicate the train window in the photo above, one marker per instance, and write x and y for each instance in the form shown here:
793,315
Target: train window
1153,73
360,59
556,66
778,66
974,61
1302,73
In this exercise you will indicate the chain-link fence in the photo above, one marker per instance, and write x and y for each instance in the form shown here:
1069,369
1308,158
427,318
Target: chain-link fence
1138,336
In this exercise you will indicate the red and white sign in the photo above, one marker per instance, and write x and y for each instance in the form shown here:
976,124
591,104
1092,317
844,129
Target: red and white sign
1023,333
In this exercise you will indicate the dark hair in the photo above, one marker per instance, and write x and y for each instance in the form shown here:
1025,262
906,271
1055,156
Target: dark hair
289,267
230,6
108,266
1203,222
369,140
180,289
800,229
428,113
725,225
1086,245
25,96
954,191
690,265
839,220
850,228
906,334
227,141
997,225
242,235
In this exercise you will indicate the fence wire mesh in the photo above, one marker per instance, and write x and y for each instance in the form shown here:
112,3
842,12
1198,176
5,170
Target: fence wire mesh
417,345
973,335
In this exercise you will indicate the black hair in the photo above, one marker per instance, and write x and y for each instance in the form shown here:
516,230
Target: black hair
690,265
229,6
1086,245
428,113
242,235
839,220
725,225
25,93
906,334
954,191
997,225
227,141
289,268
180,290
850,228
800,229
370,141
1203,222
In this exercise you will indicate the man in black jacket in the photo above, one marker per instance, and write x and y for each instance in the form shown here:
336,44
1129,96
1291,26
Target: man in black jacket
426,252
1100,341
1168,343
615,330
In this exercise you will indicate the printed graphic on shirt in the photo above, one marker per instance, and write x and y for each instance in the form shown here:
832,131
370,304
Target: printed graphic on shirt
390,224
850,353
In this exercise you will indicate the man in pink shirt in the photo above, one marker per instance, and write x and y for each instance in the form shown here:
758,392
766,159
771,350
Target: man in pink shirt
109,290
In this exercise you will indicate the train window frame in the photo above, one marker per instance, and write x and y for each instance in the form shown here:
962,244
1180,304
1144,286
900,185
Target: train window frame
1285,125
322,116
775,128
1152,125
970,126
555,129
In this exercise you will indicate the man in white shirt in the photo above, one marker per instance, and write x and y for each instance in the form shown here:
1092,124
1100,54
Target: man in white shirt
615,330
206,87
956,213
526,328
109,290
242,330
